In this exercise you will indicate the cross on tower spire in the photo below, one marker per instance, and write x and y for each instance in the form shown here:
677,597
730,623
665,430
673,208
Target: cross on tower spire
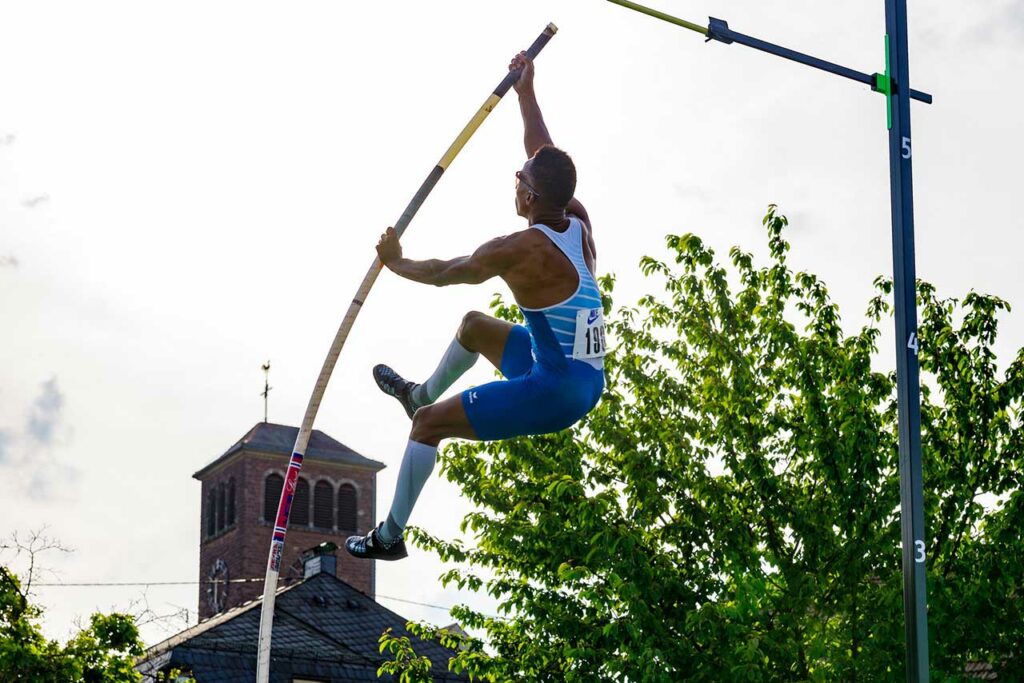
266,388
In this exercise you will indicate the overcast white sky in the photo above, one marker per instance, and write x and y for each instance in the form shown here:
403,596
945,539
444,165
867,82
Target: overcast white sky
188,189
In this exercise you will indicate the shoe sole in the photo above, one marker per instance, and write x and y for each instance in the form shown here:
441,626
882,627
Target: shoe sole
385,558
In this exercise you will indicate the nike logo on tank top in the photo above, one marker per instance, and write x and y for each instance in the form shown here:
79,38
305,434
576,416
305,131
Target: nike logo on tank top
574,328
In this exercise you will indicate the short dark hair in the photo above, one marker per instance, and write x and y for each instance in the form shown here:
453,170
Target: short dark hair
554,175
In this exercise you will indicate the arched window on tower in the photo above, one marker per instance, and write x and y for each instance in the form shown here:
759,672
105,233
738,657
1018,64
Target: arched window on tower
323,505
223,506
220,507
231,502
348,508
300,504
211,509
272,486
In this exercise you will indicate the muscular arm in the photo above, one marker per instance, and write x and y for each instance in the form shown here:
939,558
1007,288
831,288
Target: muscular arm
535,132
536,135
491,259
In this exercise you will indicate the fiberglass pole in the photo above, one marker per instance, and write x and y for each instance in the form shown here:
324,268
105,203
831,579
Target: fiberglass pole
302,440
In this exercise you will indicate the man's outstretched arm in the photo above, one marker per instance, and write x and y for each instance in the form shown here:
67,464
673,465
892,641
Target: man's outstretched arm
535,131
492,259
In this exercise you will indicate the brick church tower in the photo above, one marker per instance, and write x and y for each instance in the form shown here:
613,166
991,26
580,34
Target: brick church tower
335,498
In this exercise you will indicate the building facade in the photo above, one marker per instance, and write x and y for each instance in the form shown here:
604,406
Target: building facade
325,631
335,497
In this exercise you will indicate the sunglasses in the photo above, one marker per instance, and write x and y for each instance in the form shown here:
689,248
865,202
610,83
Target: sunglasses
520,180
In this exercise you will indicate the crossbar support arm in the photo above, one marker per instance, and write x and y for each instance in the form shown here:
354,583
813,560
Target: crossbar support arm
718,29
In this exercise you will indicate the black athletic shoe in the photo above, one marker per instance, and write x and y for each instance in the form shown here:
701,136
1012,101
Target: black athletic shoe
371,547
392,384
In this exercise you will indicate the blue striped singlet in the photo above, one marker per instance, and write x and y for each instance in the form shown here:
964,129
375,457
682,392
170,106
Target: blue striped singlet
554,328
554,367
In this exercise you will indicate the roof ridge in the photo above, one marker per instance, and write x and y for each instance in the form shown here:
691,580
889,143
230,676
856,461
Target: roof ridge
279,439
212,622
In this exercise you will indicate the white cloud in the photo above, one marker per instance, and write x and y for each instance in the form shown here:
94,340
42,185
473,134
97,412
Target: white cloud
998,22
36,201
45,414
29,457
6,439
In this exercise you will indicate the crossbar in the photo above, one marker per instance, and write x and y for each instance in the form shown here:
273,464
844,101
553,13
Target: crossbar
661,15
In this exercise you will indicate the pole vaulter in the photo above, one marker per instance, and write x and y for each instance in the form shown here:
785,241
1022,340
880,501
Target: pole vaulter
302,440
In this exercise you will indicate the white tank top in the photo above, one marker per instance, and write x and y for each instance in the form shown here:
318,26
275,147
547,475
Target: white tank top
574,328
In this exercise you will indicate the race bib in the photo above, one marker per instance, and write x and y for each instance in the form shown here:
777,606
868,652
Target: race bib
589,341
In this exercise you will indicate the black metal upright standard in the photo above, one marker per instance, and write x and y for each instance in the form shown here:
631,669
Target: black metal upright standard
908,386
895,84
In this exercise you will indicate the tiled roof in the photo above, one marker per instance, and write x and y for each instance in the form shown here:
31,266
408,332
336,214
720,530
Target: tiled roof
323,628
267,437
980,670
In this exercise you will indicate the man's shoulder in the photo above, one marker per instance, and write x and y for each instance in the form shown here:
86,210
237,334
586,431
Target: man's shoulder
507,247
519,238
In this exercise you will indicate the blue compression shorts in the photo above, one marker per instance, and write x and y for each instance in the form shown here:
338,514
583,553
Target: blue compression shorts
535,398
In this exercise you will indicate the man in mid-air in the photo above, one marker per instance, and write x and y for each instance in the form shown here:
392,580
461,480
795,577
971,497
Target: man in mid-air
554,366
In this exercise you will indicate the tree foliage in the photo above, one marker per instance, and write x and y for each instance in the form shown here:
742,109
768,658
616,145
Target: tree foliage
730,510
102,652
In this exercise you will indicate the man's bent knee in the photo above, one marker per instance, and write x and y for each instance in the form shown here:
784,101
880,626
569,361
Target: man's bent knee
469,329
426,428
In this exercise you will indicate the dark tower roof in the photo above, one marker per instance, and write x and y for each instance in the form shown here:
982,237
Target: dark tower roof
267,437
323,628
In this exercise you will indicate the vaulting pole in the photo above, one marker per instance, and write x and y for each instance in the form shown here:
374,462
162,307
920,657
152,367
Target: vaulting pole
302,440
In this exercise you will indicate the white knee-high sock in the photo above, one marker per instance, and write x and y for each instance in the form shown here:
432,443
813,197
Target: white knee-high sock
417,464
456,361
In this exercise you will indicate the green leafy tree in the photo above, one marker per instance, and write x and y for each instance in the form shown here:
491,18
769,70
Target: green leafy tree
730,510
102,652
